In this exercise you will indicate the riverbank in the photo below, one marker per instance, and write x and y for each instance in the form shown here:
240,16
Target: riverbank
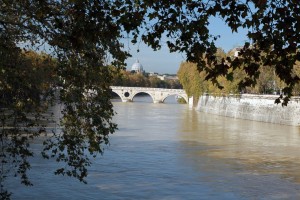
252,107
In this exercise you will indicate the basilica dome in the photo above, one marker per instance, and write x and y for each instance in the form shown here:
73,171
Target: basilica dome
137,67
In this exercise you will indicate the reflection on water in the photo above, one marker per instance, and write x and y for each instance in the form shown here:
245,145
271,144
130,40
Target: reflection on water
261,147
167,151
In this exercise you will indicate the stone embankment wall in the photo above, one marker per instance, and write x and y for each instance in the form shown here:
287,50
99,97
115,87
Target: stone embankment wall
252,107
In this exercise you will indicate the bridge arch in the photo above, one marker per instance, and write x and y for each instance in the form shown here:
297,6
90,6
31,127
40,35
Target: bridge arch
142,92
116,94
182,96
124,94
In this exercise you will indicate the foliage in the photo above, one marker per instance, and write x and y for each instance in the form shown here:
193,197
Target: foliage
181,101
128,79
296,72
64,29
267,83
192,81
26,90
84,36
273,29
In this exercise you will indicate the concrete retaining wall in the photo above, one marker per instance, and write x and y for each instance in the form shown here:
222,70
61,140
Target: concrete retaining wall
252,107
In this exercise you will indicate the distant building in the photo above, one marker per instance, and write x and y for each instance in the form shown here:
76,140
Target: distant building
153,73
167,77
137,67
236,51
161,77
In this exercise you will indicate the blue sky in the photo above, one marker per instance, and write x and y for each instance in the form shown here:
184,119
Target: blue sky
164,62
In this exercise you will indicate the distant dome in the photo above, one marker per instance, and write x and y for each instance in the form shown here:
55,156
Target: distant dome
137,66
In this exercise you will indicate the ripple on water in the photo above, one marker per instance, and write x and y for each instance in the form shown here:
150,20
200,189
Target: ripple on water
171,152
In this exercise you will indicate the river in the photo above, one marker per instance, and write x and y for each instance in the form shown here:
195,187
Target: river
169,151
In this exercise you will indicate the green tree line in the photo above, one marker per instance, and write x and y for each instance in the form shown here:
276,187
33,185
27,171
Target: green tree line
129,79
195,82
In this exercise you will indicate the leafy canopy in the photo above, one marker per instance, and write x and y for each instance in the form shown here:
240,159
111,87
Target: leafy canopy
273,31
83,36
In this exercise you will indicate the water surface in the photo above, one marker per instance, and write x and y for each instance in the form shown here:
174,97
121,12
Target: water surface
168,151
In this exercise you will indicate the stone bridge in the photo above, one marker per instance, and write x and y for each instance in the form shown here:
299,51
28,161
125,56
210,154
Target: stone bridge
158,95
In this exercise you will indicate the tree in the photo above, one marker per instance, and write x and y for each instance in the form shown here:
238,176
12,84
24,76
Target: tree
296,70
84,36
79,35
174,84
192,80
128,79
26,90
273,29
